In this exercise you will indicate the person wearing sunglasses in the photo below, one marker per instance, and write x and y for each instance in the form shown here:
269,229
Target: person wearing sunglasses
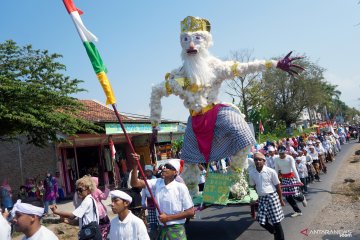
173,198
267,185
87,212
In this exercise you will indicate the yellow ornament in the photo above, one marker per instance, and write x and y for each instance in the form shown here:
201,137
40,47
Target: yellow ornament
194,24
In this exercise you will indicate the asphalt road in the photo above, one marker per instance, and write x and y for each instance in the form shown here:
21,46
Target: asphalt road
234,222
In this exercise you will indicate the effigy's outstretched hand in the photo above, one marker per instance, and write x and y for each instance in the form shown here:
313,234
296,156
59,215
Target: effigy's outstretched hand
286,64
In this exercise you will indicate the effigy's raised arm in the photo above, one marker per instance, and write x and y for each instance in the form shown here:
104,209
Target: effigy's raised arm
231,69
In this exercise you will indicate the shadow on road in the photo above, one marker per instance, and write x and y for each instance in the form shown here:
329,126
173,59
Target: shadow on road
220,223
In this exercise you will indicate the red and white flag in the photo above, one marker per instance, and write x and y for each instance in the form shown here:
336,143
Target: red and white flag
261,127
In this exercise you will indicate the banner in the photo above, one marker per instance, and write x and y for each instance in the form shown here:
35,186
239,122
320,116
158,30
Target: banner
217,188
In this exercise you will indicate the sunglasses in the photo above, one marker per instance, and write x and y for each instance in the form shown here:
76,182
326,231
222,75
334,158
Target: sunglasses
80,189
169,166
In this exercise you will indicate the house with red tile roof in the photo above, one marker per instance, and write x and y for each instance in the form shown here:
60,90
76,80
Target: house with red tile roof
88,153
91,153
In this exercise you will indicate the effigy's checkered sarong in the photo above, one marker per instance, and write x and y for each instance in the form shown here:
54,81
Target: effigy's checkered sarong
269,208
231,133
290,181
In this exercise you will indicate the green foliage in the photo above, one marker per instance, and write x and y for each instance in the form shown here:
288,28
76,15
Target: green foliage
286,96
280,133
177,145
35,96
278,99
245,90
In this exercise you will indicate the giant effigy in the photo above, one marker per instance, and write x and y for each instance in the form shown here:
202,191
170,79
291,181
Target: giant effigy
215,130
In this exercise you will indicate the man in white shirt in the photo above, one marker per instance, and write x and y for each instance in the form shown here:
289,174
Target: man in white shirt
5,228
126,226
268,188
309,165
26,219
270,160
173,198
303,173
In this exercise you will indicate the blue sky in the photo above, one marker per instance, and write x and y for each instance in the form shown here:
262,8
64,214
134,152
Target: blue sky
139,40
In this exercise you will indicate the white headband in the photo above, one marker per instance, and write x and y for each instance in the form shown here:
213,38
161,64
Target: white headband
27,209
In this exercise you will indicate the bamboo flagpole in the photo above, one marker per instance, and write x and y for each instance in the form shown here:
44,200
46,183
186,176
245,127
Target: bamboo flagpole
100,69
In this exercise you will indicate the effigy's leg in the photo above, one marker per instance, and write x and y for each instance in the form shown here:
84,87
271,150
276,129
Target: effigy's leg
237,166
191,175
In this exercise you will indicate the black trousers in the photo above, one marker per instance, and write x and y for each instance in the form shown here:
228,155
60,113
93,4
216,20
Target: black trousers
291,200
275,229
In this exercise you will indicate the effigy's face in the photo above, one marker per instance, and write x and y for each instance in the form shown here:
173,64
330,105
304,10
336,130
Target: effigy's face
193,42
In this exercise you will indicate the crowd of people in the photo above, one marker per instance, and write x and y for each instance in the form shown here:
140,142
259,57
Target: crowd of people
276,168
26,217
172,196
45,190
286,168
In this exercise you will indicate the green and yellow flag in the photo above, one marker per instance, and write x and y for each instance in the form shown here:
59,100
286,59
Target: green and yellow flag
88,38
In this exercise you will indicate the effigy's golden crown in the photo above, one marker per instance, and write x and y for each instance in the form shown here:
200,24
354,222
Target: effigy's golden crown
194,24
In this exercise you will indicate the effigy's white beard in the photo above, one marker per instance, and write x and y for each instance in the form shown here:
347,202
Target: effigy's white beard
197,68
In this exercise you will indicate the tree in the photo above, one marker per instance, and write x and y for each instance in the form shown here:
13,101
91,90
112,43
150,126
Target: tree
35,96
245,90
287,96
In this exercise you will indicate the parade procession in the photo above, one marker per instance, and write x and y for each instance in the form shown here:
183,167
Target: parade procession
227,147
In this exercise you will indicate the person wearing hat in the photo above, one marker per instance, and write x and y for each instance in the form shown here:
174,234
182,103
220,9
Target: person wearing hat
290,149
328,149
148,203
270,159
300,154
285,166
126,225
172,197
267,185
27,219
309,165
303,173
316,162
319,147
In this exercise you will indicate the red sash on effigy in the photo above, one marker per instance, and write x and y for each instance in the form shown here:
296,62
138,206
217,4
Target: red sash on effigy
203,127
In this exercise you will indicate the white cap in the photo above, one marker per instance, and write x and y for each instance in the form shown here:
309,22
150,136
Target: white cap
120,194
271,149
27,209
149,167
175,163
